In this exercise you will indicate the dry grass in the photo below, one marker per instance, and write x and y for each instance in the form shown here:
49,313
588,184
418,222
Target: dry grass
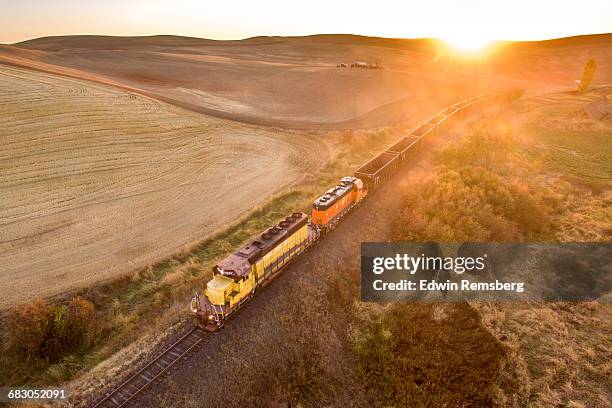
564,349
589,220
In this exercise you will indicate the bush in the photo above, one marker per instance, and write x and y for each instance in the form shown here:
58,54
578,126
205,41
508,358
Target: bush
48,331
487,146
470,204
478,192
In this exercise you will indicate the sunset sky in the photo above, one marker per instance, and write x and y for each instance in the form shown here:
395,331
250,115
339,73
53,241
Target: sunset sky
467,22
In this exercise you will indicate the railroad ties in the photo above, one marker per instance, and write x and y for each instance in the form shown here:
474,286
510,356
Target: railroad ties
130,389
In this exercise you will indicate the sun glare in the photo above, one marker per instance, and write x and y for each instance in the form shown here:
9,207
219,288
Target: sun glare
468,44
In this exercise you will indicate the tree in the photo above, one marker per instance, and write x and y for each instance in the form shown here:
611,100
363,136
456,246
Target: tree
587,76
48,331
29,327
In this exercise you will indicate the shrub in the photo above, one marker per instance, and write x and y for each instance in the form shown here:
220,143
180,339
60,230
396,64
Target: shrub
486,146
28,328
470,204
476,193
48,331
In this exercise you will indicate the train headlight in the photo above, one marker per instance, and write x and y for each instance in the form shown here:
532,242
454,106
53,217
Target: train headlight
194,306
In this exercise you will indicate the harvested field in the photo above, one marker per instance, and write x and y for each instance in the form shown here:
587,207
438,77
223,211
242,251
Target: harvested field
290,82
96,182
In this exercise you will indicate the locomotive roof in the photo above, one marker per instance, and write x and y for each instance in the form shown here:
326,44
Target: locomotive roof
239,263
334,194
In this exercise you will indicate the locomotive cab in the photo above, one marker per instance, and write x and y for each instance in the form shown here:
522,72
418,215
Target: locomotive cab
357,182
218,288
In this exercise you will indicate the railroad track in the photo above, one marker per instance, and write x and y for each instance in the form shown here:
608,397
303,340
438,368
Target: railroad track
129,391
131,388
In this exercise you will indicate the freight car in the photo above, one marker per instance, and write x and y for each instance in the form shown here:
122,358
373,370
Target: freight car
451,115
423,130
461,110
237,277
406,147
468,106
378,170
332,206
438,121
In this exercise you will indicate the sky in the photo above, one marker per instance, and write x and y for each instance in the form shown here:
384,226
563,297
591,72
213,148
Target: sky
461,21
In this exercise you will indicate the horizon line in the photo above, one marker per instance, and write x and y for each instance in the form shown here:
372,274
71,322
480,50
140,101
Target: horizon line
292,36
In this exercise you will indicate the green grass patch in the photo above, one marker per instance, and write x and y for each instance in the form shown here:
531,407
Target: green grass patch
585,154
570,144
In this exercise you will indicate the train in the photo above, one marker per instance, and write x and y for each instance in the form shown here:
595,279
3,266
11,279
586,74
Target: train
238,277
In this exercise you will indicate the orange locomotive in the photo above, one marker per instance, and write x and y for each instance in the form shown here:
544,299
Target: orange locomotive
328,209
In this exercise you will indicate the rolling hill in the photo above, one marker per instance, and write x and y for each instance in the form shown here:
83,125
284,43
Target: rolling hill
293,81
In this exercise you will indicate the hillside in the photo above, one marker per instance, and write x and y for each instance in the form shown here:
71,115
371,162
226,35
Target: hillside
146,158
294,82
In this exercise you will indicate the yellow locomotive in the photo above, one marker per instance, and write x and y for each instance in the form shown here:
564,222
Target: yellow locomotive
236,278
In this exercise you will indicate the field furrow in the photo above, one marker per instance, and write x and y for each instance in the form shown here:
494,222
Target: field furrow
96,182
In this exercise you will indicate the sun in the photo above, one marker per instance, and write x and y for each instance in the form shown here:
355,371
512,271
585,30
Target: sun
468,43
